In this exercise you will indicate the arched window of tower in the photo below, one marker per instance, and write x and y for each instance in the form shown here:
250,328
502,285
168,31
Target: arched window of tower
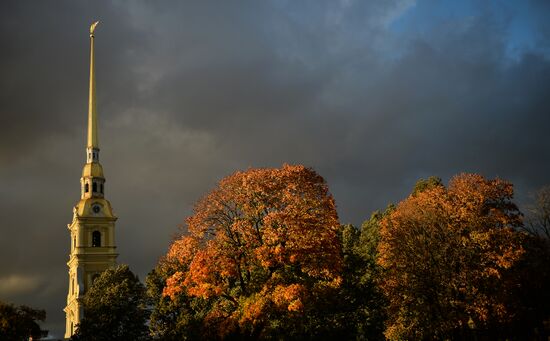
96,239
86,188
94,187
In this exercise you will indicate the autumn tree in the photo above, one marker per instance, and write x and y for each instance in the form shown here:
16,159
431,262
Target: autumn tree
115,308
448,255
532,294
18,323
261,251
538,214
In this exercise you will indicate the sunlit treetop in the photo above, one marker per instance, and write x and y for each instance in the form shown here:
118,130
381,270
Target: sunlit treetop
263,240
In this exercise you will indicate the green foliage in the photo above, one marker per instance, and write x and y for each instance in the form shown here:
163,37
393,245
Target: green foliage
426,184
355,310
115,308
20,322
177,319
360,292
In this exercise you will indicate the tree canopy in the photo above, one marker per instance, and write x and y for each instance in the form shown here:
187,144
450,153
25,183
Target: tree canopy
18,323
538,214
447,254
115,308
262,249
264,257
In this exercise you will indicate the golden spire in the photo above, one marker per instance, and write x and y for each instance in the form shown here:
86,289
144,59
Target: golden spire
92,112
92,175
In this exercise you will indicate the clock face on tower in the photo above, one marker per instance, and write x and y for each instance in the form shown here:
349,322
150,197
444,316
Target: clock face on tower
96,208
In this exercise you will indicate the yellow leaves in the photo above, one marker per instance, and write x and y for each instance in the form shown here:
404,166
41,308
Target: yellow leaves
295,306
336,282
450,247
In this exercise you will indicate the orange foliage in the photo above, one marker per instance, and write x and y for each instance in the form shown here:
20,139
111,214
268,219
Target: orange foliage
263,240
444,252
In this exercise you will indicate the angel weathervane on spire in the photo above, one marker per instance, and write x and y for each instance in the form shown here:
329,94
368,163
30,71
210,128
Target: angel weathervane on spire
92,28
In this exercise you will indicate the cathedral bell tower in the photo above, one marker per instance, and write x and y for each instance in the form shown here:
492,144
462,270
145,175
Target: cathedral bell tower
92,230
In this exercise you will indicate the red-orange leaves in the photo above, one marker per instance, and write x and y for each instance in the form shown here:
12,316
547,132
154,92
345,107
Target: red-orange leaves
261,242
289,297
183,250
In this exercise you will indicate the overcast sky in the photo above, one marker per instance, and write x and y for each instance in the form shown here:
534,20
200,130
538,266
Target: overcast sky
372,94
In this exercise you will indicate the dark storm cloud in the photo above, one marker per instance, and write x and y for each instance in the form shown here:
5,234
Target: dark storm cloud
190,92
